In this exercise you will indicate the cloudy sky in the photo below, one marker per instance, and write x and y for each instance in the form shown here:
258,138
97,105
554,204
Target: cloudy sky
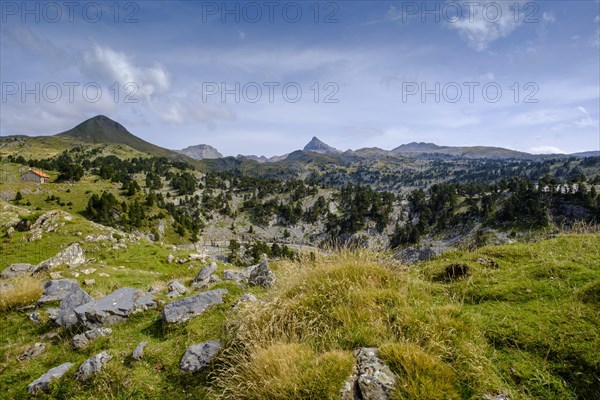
264,77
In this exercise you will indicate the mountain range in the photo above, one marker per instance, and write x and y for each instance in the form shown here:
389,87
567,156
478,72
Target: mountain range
101,129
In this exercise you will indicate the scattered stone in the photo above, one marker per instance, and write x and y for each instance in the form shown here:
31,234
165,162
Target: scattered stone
229,275
88,271
214,278
197,257
183,309
502,396
56,275
75,274
73,256
138,353
182,260
50,336
10,231
103,275
153,289
89,282
201,280
119,246
65,315
198,356
114,308
487,262
170,258
246,272
262,275
370,378
79,233
56,290
33,352
175,289
35,317
42,383
247,298
93,365
16,270
82,340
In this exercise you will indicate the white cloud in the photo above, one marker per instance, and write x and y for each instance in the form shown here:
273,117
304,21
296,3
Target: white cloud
546,150
480,28
105,63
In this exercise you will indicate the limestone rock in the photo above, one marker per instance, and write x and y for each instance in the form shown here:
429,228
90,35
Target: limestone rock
65,315
82,340
138,352
370,379
175,289
72,256
203,276
15,270
262,275
114,308
93,365
198,356
183,309
33,352
229,275
56,290
42,383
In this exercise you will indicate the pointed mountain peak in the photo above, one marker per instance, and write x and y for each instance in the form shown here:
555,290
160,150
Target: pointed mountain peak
318,146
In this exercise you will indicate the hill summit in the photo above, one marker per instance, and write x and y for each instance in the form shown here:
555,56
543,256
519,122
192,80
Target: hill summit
318,146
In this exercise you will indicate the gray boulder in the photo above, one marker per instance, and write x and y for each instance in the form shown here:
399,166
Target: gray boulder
33,352
73,256
82,340
262,275
15,270
42,383
114,308
138,352
370,379
93,365
65,315
203,276
198,356
56,290
229,275
183,309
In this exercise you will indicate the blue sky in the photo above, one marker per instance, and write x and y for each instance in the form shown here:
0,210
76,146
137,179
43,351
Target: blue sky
522,75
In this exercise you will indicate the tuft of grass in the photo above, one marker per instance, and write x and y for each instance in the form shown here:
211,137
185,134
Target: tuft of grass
22,291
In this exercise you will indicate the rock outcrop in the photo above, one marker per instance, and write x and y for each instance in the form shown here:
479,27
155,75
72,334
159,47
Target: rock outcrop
42,383
93,365
203,277
198,356
371,378
56,290
183,309
73,256
262,275
65,315
15,270
138,352
114,308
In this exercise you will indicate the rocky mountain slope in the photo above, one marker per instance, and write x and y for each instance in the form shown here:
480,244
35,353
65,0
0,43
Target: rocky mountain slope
201,152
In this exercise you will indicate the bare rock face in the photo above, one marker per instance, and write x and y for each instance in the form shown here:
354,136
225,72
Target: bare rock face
47,222
15,270
56,290
183,309
93,365
199,356
42,383
175,289
370,379
114,308
262,275
73,256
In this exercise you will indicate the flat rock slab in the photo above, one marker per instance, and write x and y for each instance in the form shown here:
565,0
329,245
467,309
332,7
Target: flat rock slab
56,290
93,365
114,308
15,270
42,383
65,315
183,309
198,356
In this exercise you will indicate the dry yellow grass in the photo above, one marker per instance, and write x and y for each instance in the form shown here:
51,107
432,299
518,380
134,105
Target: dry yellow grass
23,291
